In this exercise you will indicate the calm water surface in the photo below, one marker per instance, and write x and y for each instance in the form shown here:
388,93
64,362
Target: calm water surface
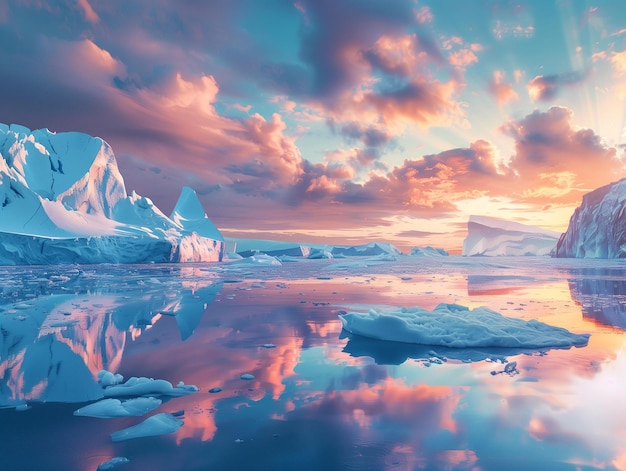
319,400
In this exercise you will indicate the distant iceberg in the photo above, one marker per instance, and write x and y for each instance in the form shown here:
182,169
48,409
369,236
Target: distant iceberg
455,326
597,229
63,200
498,237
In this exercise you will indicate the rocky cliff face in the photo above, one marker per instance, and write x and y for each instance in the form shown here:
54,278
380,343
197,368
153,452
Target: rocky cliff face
597,229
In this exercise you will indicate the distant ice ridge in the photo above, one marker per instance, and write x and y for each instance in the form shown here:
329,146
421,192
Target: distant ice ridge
455,326
428,252
597,229
63,200
248,247
497,237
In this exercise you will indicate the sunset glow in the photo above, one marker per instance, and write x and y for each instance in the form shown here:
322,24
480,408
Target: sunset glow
319,120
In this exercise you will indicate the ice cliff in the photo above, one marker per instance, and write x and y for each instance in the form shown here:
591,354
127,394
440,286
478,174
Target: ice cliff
597,229
497,237
63,200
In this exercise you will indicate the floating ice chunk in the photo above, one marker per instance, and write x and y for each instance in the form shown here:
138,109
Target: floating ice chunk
317,254
247,376
509,369
149,387
159,424
215,390
258,259
451,325
268,345
106,378
111,408
112,463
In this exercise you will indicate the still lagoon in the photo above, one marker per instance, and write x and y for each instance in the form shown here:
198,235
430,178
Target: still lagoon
280,386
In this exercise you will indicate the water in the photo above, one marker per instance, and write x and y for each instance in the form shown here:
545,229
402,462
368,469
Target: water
319,399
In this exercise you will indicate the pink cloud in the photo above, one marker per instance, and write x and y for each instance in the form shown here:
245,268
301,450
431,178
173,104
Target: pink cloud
424,15
88,11
501,90
552,155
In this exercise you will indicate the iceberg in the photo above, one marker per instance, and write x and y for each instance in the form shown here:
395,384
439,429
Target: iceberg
498,237
63,200
597,229
455,326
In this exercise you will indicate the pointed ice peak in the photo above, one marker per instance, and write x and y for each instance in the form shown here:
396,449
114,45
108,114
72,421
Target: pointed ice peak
190,215
188,206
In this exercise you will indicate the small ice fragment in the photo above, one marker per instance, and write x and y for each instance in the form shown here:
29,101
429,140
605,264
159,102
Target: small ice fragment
268,345
159,424
247,376
511,368
22,407
215,390
238,440
112,463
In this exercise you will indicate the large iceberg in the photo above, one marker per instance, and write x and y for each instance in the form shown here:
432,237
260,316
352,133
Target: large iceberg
498,237
597,229
63,200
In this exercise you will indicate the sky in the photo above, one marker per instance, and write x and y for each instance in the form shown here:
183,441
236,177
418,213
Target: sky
338,121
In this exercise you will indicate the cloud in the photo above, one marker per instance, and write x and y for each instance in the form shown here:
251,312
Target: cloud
501,90
618,60
88,11
552,156
546,88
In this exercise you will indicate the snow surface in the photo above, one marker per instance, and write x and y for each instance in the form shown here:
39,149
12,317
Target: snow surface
159,424
455,326
497,237
63,200
597,229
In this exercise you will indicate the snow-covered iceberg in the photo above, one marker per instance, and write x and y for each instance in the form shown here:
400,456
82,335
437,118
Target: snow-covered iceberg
498,237
63,200
455,326
597,229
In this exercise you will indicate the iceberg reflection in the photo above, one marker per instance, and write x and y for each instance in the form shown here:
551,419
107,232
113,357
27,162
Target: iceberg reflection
59,330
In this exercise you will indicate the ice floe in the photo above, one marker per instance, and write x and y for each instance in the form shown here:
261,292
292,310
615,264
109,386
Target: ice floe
111,408
149,387
159,424
452,325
